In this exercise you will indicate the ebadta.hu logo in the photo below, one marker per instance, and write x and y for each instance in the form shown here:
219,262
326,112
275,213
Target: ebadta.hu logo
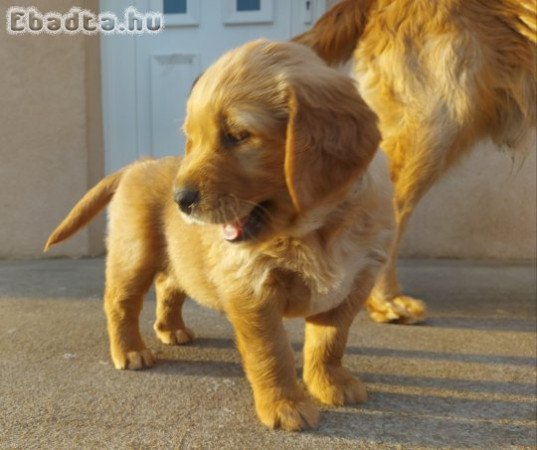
29,20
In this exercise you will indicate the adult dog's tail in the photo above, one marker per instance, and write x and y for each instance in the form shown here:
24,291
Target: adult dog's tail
335,35
86,209
517,89
522,16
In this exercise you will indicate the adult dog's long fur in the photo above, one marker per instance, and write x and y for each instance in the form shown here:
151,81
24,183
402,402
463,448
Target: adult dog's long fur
285,212
441,75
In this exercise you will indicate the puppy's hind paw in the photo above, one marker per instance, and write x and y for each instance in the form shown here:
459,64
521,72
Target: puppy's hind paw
401,309
134,360
290,415
179,336
335,386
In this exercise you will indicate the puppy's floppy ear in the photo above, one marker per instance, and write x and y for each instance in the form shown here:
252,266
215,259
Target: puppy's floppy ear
332,136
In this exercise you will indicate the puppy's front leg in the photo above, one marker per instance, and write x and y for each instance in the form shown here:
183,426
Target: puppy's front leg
325,341
269,365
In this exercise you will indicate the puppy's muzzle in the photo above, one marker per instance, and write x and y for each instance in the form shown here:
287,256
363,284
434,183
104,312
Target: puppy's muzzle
186,199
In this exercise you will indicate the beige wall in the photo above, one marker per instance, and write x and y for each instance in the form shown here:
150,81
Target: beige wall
50,137
484,208
51,152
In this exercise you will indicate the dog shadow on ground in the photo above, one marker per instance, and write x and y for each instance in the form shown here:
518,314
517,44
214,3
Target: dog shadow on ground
405,410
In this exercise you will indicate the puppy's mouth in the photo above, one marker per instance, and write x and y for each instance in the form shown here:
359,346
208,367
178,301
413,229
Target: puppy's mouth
249,227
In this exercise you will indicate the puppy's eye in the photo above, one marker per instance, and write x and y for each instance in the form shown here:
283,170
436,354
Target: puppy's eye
233,138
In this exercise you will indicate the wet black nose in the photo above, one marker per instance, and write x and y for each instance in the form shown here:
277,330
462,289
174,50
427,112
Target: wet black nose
186,199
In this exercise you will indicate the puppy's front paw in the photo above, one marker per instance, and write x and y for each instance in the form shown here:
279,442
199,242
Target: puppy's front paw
401,309
290,415
179,336
133,360
335,386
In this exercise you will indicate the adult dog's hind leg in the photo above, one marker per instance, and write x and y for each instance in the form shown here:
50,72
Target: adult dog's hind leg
415,166
387,303
169,325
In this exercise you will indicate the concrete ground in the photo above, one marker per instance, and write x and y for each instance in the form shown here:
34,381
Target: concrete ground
466,378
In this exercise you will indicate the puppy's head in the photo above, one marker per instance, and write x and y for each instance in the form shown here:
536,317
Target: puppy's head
272,132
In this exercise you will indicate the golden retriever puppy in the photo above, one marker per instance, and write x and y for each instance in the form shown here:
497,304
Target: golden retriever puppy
441,75
280,208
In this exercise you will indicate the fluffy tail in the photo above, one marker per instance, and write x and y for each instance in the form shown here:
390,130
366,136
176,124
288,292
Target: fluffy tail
522,15
517,89
335,35
86,209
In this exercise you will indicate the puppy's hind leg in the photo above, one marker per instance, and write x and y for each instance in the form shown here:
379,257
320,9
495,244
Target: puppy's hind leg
127,281
169,326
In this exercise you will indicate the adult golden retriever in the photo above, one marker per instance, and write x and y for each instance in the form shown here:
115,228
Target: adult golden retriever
441,75
281,208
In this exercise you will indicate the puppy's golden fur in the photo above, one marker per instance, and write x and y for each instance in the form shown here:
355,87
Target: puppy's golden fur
441,75
281,152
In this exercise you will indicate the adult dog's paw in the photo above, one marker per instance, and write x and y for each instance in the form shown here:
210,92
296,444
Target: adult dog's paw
290,415
401,309
179,336
335,386
133,360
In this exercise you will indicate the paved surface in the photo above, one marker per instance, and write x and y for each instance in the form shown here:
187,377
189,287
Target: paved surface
467,378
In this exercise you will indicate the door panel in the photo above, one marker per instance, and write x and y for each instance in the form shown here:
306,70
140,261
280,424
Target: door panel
170,73
162,67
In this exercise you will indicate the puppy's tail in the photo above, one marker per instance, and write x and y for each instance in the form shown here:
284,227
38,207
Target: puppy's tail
335,35
86,209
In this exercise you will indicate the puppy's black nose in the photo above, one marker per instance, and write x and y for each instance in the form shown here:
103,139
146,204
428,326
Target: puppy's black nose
186,199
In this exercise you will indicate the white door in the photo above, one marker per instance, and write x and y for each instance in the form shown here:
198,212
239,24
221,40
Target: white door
147,78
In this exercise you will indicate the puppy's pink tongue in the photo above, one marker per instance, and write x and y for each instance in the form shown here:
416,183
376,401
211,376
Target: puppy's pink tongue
232,231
